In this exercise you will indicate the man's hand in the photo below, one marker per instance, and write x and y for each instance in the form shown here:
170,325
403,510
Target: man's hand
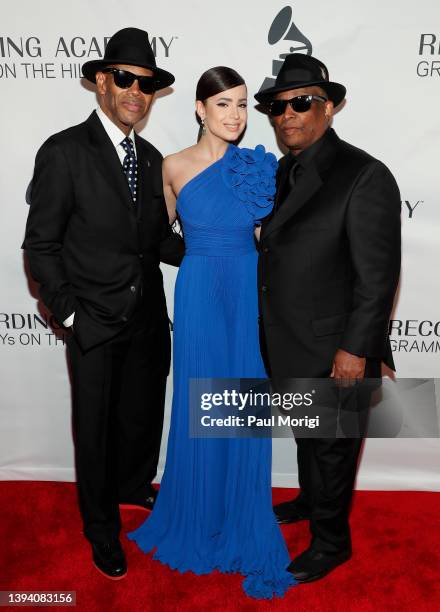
348,367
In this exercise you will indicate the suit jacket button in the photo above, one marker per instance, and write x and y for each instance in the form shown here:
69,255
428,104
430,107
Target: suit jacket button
264,288
266,250
133,289
141,255
125,319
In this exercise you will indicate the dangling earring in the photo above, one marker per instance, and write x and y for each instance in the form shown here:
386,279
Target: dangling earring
203,127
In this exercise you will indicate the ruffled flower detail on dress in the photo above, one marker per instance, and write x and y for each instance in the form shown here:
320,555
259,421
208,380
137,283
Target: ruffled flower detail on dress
251,174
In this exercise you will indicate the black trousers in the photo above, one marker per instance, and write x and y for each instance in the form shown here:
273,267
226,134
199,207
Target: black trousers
326,472
327,468
118,407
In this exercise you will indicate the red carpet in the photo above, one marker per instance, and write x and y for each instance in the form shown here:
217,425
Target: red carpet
395,565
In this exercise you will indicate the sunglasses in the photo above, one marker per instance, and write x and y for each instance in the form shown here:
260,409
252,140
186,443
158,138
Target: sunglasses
300,104
125,79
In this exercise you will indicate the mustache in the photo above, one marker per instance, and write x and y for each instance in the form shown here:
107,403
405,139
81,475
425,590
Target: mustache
132,100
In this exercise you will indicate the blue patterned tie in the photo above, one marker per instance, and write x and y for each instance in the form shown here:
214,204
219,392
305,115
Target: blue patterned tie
130,166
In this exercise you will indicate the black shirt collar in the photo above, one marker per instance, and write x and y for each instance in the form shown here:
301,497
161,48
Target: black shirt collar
305,157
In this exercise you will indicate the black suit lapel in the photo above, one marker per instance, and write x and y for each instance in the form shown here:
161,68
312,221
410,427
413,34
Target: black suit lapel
306,187
144,178
107,160
281,179
304,190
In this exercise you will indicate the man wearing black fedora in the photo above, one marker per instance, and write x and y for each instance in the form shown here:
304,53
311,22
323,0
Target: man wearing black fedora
96,233
328,271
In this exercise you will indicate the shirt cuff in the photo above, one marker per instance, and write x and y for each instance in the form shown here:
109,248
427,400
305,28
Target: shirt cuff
69,321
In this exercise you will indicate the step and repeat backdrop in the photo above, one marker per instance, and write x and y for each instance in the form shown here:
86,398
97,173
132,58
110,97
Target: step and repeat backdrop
388,56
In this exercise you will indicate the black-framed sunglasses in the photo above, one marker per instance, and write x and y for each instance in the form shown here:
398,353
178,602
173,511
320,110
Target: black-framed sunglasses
125,79
300,104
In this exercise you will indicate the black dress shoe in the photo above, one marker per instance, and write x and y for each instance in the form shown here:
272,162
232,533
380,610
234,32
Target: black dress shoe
313,564
109,559
290,512
146,502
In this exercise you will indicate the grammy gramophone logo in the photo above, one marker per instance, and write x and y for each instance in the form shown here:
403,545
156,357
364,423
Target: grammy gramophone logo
283,28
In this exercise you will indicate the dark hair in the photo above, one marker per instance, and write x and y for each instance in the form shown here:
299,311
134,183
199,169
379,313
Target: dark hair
214,81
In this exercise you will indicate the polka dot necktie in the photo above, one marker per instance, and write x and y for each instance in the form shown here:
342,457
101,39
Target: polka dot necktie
129,166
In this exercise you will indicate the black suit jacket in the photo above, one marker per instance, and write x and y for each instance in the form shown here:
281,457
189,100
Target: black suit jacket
92,251
329,263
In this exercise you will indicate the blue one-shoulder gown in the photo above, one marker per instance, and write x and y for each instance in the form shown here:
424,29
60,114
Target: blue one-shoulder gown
214,508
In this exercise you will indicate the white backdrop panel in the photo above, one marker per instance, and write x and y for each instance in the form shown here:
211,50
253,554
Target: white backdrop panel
391,111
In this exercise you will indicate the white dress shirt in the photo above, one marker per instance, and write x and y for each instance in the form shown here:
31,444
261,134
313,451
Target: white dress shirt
116,135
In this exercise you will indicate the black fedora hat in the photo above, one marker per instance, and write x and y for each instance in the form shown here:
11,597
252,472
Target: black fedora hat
299,70
129,46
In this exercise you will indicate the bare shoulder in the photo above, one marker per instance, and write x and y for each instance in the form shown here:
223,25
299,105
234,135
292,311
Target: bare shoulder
173,163
181,157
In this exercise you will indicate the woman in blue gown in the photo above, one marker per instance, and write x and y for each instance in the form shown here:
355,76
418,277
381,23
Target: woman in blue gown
214,507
